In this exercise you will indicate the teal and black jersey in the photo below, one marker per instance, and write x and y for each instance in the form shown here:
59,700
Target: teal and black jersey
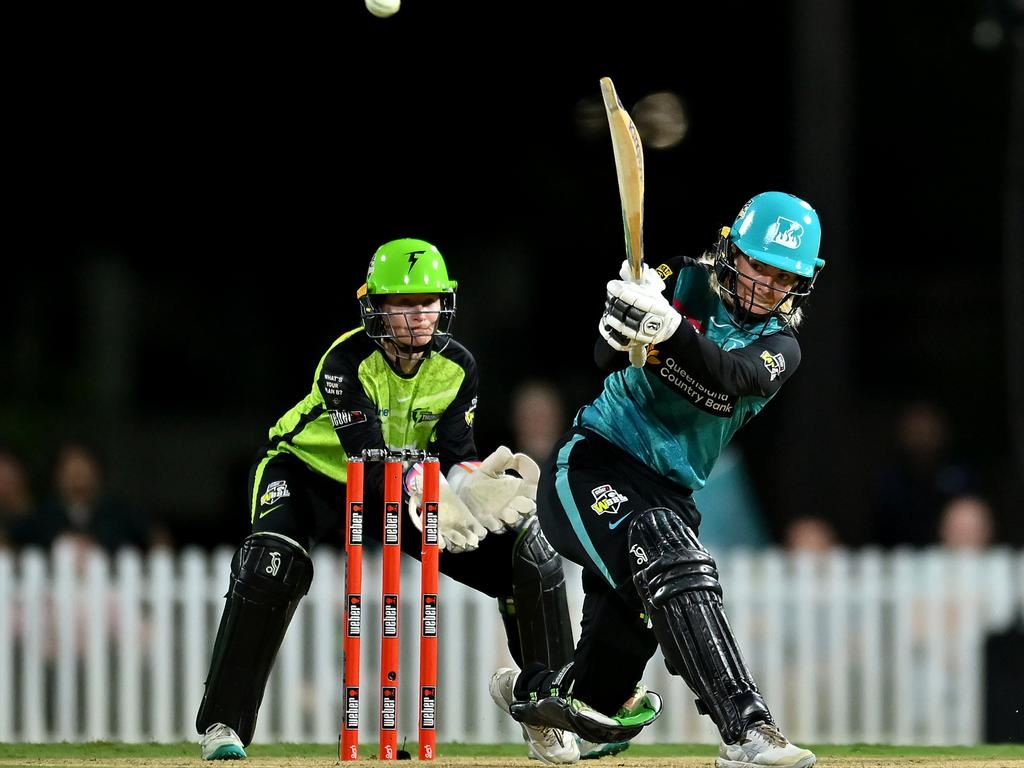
697,388
360,400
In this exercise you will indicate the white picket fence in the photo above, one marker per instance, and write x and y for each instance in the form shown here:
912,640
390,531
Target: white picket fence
852,647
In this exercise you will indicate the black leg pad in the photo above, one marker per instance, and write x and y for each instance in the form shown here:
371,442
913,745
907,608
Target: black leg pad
678,581
269,575
541,604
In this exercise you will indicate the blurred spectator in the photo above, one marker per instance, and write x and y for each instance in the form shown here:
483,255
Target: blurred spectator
16,505
810,534
921,478
538,419
966,524
82,510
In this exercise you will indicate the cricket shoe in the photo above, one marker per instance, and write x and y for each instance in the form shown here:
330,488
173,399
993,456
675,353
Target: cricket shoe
590,750
221,743
763,745
549,745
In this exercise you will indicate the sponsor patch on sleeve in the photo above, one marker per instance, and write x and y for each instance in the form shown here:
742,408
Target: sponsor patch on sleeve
664,271
333,384
341,419
775,364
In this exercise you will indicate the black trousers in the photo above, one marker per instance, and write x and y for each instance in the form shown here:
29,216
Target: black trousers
589,491
314,511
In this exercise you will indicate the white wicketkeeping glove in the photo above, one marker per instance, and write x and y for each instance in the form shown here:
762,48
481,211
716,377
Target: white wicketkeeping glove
637,313
498,500
460,531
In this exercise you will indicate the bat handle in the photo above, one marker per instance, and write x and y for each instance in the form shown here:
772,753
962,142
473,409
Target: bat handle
638,356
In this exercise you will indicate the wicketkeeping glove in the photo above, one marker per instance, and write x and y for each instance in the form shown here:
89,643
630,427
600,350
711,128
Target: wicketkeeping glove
498,500
460,531
637,313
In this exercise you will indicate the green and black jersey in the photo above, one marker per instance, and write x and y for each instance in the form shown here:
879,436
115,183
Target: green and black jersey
360,400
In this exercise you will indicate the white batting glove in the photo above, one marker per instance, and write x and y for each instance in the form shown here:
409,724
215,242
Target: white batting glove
648,277
637,313
460,531
498,500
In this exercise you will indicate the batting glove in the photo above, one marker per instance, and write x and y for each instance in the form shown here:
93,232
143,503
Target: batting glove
637,313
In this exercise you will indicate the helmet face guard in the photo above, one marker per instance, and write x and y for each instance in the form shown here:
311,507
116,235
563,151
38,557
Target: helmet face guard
399,268
386,327
779,230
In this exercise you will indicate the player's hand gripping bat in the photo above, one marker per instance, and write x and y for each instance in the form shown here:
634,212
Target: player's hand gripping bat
629,168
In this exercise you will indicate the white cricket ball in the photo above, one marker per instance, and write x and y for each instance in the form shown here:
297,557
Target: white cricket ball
383,8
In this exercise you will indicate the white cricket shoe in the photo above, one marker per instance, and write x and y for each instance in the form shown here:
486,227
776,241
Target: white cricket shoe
763,745
549,745
221,743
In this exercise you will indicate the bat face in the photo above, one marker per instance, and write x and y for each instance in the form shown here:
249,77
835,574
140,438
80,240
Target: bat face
629,169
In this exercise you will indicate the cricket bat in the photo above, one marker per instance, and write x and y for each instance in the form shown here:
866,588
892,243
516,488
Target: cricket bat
629,169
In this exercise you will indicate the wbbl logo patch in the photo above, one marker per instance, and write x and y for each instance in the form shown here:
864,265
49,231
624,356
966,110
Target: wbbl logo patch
390,616
776,364
606,499
428,616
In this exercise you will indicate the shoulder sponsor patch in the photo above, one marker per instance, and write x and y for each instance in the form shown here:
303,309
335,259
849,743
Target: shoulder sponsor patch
775,364
664,271
341,419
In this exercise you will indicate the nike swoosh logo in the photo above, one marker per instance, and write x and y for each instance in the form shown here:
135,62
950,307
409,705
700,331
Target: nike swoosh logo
618,522
266,512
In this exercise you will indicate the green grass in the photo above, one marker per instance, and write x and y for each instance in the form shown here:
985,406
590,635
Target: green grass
109,750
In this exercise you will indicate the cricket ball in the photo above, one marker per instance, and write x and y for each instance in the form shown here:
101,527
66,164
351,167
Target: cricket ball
383,8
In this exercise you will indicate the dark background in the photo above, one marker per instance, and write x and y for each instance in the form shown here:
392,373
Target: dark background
193,198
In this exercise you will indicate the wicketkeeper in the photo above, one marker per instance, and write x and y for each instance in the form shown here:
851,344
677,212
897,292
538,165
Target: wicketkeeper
398,381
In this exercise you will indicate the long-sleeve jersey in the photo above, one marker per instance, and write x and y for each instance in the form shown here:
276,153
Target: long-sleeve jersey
359,400
697,388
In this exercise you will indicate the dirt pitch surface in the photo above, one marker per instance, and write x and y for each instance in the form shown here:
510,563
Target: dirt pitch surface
824,761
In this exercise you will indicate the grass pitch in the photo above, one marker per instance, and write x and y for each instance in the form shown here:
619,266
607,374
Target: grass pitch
117,755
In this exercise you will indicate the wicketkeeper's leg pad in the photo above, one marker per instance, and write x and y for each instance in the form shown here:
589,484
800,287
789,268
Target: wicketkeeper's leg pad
541,603
269,575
